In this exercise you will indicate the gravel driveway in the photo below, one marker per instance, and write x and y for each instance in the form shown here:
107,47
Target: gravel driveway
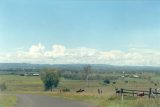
28,100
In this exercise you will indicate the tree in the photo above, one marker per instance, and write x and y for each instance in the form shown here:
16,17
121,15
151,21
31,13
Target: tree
87,71
50,78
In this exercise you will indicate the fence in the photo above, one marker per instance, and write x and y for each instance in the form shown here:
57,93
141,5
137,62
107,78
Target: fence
141,93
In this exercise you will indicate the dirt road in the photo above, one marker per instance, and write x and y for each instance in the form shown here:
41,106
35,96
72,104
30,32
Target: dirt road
27,100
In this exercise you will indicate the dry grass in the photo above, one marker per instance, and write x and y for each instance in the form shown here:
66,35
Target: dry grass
33,85
7,100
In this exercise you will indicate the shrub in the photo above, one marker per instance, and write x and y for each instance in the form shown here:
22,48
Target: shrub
106,81
126,81
66,90
114,82
3,86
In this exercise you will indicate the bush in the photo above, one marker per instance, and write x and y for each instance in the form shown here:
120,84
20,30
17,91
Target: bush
155,84
66,90
126,81
106,81
3,86
114,82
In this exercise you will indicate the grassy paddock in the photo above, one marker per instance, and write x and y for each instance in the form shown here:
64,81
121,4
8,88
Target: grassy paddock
7,100
33,85
107,101
22,83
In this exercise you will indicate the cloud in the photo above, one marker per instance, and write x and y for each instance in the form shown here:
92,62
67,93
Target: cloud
57,51
59,54
36,48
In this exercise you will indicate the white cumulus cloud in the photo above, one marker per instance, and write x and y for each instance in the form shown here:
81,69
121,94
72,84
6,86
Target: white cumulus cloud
59,54
57,51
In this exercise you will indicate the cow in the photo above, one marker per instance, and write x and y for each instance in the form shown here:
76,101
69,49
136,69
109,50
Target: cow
80,90
140,94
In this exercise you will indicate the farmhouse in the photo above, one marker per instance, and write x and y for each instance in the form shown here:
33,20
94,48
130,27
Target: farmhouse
30,74
36,74
135,76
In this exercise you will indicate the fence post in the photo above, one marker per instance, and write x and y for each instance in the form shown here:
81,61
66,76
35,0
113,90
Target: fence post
122,95
121,91
150,91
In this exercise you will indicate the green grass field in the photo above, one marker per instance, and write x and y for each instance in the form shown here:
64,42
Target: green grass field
29,84
7,100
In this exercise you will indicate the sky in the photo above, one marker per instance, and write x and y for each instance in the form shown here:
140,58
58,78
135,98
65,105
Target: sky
117,32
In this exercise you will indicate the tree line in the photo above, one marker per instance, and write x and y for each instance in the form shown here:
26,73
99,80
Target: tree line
51,77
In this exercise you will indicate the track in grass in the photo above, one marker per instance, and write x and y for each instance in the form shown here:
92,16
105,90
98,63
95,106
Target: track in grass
28,100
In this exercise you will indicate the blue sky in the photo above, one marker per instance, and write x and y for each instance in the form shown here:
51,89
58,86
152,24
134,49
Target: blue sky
103,25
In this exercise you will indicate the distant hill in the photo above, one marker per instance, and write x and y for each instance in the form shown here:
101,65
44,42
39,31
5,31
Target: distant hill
12,67
6,66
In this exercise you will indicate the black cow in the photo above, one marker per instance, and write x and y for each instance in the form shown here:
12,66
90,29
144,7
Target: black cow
80,90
